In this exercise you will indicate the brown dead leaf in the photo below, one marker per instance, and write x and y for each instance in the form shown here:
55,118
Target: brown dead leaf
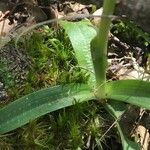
143,137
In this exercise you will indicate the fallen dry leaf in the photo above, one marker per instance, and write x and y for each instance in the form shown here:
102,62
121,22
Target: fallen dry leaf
143,137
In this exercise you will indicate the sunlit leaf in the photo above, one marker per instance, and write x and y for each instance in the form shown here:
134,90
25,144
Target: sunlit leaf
136,92
80,34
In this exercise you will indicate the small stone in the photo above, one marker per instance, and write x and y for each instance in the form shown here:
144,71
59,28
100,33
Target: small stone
1,85
3,95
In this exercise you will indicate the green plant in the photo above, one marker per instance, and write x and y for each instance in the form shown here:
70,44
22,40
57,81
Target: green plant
129,32
33,136
50,99
5,74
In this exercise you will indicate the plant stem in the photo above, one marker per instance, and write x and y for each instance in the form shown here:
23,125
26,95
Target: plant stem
99,47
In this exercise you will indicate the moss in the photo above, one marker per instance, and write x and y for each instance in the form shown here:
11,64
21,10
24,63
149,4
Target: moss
52,61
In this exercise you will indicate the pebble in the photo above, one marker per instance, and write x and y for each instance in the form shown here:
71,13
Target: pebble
3,93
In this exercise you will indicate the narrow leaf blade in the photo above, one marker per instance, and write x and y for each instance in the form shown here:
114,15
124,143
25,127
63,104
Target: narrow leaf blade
136,92
39,103
116,109
81,34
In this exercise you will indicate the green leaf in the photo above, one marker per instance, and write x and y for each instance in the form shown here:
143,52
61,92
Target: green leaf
136,92
80,34
39,103
116,109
